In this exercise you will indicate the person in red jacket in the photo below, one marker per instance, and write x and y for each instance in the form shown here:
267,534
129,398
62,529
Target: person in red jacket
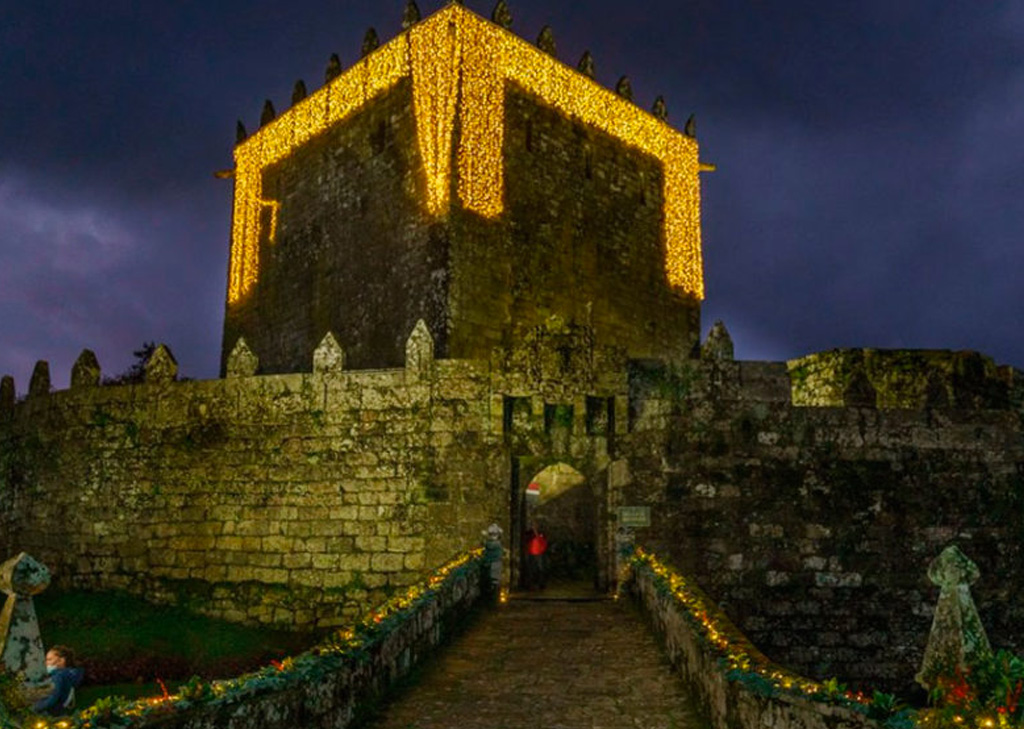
536,569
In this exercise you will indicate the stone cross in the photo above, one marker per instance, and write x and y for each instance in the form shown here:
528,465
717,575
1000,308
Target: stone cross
21,646
957,638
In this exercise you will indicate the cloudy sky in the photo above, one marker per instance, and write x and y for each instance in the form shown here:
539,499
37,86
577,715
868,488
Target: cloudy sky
870,161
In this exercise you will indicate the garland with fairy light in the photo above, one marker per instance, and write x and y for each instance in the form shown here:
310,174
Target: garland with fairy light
744,664
343,648
459,66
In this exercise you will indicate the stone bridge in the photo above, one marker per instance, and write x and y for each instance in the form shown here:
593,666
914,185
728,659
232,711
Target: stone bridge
551,663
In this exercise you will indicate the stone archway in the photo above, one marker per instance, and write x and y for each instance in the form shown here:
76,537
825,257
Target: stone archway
565,504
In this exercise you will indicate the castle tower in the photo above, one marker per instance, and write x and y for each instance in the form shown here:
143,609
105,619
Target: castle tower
462,176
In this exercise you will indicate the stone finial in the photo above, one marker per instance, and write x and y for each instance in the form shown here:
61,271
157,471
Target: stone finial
299,92
39,385
502,15
718,345
6,397
328,357
411,15
268,114
23,575
957,637
660,109
586,65
242,362
371,42
859,392
333,69
690,128
240,133
546,41
161,366
624,88
419,350
21,646
86,370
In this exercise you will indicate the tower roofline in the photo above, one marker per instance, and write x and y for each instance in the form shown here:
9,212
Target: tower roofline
459,64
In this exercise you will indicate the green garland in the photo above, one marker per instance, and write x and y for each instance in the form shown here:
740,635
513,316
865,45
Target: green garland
742,663
345,646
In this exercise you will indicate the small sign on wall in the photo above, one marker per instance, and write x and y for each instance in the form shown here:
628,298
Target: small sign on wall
634,516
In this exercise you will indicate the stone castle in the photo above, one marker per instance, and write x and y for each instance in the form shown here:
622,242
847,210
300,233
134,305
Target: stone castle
462,267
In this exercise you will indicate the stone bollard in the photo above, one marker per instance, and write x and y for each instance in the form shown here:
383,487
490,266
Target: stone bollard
957,638
21,646
494,554
625,546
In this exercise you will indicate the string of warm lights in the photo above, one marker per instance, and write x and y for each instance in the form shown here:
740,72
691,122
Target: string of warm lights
342,644
460,64
736,651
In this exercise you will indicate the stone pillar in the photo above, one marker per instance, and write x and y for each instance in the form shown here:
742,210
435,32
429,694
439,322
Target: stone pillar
957,638
419,351
494,554
328,357
242,362
21,646
161,368
718,345
86,370
39,385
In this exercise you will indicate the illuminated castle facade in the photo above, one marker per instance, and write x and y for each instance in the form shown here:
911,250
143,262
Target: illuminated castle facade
462,268
462,176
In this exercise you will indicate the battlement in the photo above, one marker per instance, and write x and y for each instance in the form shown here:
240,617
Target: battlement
460,175
900,378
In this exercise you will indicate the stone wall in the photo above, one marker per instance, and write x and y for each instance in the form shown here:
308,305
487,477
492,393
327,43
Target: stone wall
581,240
301,499
329,691
724,703
291,499
895,378
813,527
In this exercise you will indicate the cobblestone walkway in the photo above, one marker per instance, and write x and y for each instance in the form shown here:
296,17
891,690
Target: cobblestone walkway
547,665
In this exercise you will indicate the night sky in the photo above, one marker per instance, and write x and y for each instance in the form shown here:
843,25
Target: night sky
870,161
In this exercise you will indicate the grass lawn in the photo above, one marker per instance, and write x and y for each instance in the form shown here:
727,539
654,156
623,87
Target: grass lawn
125,644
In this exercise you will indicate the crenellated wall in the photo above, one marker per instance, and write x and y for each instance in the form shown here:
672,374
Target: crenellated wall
302,498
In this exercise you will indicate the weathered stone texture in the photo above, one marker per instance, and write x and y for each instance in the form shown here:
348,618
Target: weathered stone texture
354,253
814,527
291,499
301,499
581,240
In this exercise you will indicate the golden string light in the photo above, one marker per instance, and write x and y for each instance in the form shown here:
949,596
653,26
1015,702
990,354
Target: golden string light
460,65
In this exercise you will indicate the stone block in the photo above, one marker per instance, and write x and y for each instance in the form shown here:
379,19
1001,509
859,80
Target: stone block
86,370
419,351
39,385
328,357
162,367
242,362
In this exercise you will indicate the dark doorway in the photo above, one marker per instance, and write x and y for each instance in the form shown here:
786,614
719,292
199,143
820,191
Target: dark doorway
562,502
